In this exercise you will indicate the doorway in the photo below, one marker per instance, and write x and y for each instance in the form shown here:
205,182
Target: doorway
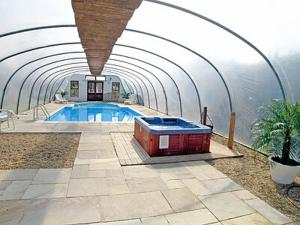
95,91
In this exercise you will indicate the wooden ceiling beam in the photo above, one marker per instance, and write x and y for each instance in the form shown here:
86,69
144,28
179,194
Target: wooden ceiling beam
100,23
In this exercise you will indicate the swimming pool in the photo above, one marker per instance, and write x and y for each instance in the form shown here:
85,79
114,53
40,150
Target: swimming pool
94,112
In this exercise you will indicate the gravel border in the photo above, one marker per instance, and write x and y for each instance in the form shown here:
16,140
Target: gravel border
38,150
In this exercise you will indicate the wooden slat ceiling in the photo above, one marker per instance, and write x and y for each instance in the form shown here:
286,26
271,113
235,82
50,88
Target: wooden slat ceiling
100,23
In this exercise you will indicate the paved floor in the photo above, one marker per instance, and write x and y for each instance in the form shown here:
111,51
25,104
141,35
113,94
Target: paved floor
98,190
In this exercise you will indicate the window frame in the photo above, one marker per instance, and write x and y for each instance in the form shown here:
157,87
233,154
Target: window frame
74,91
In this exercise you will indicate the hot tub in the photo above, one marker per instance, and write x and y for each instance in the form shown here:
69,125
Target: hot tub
161,136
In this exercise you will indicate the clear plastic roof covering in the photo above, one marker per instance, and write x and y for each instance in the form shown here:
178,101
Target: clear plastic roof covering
177,55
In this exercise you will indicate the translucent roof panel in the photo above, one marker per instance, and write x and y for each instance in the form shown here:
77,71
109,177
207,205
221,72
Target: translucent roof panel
177,55
24,41
275,36
251,73
19,14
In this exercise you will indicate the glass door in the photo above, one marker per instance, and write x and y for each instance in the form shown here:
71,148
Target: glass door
95,91
99,91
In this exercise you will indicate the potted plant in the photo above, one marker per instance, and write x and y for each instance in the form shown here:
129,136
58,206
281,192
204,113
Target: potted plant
126,95
277,132
63,93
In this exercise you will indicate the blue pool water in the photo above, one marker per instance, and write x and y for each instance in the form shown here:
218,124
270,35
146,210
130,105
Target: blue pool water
94,112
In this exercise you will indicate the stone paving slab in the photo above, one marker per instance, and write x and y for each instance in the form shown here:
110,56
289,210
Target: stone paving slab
98,164
244,195
226,205
46,191
203,171
182,200
126,222
54,176
18,174
15,190
146,185
267,211
253,219
130,206
157,220
176,169
171,181
97,186
62,211
197,217
4,184
106,173
208,187
11,212
80,171
139,172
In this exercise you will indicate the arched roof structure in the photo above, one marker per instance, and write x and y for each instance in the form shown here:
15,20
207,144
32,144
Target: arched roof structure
177,55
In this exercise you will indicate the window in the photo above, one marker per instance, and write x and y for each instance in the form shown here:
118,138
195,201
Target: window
98,78
115,89
74,90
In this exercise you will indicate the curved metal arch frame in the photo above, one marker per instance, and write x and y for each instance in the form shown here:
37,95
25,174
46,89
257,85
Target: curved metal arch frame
129,88
163,89
132,30
131,74
60,85
163,71
117,72
42,74
147,92
164,92
125,76
53,73
31,91
28,63
38,48
32,72
48,85
51,89
69,69
114,70
183,10
194,52
155,95
231,32
37,28
136,78
199,101
42,84
41,47
33,29
175,64
134,87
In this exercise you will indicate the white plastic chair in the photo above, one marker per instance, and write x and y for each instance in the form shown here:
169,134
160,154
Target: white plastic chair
132,99
60,99
5,116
